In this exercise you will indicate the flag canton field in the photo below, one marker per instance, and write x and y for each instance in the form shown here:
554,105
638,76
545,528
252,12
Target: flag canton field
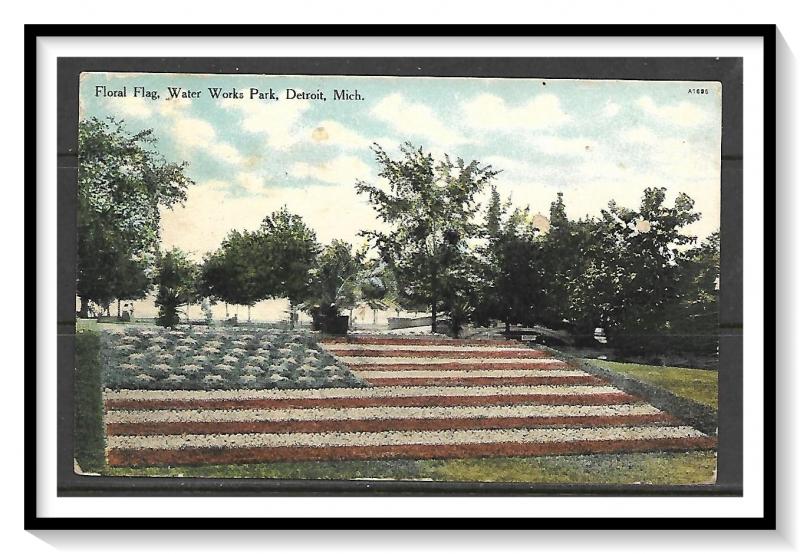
394,398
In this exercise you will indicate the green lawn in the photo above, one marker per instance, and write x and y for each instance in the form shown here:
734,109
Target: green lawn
679,468
86,325
699,385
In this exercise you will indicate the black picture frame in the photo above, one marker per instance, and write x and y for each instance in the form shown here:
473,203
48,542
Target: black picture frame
70,484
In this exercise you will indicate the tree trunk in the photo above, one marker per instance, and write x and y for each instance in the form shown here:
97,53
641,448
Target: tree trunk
291,314
508,326
84,310
119,310
434,298
227,315
374,317
248,313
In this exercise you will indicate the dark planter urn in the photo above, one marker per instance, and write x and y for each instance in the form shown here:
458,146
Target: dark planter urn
330,324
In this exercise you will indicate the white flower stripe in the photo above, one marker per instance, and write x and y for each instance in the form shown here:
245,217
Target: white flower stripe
336,346
373,392
355,361
388,412
412,373
398,438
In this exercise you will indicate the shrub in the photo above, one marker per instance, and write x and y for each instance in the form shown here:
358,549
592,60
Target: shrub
88,413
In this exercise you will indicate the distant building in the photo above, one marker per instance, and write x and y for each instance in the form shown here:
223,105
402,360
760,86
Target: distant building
642,225
541,222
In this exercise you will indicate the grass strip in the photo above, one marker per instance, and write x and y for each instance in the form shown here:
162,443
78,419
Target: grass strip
699,385
658,468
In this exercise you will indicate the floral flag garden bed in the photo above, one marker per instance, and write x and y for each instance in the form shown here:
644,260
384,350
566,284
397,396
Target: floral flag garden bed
269,395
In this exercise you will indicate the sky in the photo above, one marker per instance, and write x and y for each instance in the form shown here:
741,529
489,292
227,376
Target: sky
592,140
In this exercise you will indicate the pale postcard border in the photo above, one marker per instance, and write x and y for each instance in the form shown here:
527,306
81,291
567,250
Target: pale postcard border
751,504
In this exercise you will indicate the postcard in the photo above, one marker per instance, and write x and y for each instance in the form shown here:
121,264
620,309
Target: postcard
403,278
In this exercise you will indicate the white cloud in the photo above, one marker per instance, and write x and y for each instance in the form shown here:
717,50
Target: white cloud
194,133
173,106
277,120
415,119
487,111
187,132
142,108
687,161
225,152
129,106
684,113
340,170
216,184
557,146
670,156
505,164
611,109
640,135
252,182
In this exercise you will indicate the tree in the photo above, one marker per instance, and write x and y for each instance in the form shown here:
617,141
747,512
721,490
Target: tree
592,282
632,281
517,278
562,259
99,253
511,278
335,280
459,291
122,184
494,214
132,281
287,252
389,290
108,268
176,279
231,274
694,320
272,262
376,287
430,209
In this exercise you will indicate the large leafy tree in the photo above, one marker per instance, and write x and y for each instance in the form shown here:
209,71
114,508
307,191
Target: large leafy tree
694,320
459,291
108,267
132,280
632,280
176,280
287,253
510,269
99,249
231,273
430,210
123,183
274,261
562,259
